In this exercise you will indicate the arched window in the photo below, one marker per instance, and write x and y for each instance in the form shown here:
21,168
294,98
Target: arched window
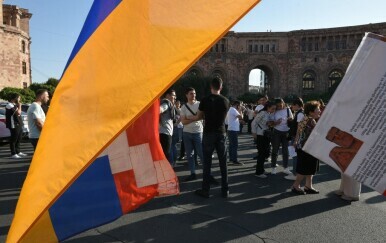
23,46
309,80
334,77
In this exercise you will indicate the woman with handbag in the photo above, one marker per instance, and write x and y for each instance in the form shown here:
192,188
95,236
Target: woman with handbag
280,135
260,126
307,165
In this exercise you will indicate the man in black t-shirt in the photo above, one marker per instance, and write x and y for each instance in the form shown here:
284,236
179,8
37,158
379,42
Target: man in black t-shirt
15,124
213,110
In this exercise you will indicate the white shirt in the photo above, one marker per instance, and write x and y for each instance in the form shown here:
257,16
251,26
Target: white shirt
283,115
34,112
233,120
300,117
194,127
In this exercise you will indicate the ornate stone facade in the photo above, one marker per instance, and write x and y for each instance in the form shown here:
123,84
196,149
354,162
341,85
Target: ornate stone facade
15,41
298,62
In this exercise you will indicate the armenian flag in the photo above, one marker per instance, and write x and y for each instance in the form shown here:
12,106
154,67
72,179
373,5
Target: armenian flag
97,157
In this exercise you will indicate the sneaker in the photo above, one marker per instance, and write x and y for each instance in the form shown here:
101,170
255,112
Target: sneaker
192,177
202,193
291,177
15,156
350,199
22,154
273,172
262,176
287,171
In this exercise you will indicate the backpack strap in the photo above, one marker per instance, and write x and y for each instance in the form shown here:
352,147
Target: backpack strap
186,105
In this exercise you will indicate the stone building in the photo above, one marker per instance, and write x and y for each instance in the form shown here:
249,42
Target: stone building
298,62
15,41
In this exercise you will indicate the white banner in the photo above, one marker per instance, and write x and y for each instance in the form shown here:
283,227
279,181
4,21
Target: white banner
350,135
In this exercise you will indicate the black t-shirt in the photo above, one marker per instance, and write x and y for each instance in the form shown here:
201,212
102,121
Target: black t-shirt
12,119
215,108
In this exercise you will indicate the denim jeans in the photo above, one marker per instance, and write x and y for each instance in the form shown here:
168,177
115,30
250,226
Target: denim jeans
173,149
233,145
193,146
210,142
278,138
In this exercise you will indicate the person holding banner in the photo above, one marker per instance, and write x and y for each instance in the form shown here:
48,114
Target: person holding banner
307,165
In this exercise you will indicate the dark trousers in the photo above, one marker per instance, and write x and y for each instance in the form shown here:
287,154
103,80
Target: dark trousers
277,139
210,142
34,142
233,145
182,148
166,144
16,135
262,144
250,126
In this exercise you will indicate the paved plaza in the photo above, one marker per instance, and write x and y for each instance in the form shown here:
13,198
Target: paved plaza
258,210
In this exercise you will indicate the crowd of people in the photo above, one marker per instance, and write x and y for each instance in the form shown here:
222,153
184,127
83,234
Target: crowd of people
211,124
206,126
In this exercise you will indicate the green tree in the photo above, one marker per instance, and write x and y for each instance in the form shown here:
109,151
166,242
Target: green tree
52,82
27,95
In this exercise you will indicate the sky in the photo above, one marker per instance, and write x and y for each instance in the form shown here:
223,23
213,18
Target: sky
56,24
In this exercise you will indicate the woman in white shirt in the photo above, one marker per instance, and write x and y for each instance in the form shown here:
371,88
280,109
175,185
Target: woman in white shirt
280,135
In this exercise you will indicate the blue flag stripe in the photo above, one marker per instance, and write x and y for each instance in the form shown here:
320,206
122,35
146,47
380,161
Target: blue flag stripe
92,200
98,13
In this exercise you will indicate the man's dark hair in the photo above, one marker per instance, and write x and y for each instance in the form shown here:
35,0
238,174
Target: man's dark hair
236,102
187,90
298,101
216,83
39,92
169,92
